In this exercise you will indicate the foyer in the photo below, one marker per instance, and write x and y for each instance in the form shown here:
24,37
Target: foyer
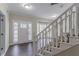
25,49
39,29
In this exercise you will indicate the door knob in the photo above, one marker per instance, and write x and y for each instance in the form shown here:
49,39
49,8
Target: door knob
1,49
2,20
2,34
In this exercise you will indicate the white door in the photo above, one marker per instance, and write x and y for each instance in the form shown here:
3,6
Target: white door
22,32
2,34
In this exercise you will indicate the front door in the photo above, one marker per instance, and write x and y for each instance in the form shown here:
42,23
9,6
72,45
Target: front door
23,32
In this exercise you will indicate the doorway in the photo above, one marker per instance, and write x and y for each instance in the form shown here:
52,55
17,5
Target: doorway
22,32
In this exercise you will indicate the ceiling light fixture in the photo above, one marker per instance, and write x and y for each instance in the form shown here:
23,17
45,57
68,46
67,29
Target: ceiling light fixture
27,6
54,16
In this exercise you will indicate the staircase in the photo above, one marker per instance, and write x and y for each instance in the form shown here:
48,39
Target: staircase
59,35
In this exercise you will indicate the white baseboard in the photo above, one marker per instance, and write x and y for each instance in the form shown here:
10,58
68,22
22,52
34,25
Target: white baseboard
19,43
5,52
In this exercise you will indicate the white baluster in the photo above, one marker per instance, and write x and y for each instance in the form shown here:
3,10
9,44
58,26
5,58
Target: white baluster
61,30
65,22
41,39
52,34
49,34
56,33
77,20
45,38
35,46
73,25
70,22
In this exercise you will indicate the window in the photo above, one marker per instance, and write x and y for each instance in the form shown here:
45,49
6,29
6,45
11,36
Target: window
41,26
15,32
23,25
30,31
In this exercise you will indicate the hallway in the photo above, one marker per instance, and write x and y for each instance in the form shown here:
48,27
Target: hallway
25,49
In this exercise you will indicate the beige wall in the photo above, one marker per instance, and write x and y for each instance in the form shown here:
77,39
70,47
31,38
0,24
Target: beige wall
3,8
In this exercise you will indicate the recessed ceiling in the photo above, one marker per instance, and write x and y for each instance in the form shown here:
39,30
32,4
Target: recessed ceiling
42,10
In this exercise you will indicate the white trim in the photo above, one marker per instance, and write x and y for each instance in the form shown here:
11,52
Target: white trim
5,52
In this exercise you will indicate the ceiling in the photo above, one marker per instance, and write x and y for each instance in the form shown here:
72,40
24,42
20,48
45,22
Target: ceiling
41,10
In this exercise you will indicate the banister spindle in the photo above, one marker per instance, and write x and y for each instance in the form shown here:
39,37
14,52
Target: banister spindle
61,30
56,29
66,35
52,33
43,39
56,32
70,22
65,22
39,42
49,34
74,30
76,12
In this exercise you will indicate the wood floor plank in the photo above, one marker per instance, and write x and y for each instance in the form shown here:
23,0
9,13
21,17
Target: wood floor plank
25,49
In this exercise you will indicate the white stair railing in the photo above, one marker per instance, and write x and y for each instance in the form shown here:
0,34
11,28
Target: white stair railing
57,31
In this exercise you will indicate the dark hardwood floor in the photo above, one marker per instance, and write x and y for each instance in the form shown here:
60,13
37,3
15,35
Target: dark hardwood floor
25,49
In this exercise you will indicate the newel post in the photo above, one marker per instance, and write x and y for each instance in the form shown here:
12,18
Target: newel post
34,46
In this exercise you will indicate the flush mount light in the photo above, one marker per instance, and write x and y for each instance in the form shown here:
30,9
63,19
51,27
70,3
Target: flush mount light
54,16
27,6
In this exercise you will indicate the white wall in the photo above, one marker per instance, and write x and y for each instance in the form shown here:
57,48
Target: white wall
15,17
3,8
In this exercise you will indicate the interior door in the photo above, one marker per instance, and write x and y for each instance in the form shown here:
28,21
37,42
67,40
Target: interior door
2,34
